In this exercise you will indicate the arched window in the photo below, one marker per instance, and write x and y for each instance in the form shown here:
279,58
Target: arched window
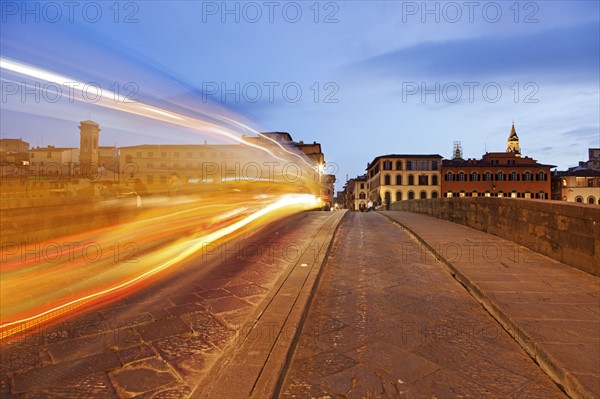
387,180
527,176
487,193
362,196
462,193
514,194
398,165
579,199
514,176
500,194
527,194
475,193
487,176
423,195
449,176
474,176
541,195
434,180
387,165
591,200
423,180
388,197
500,176
434,194
398,180
411,180
398,196
411,195
462,176
449,194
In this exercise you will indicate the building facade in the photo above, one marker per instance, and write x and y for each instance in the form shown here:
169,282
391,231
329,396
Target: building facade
497,174
356,194
398,177
580,185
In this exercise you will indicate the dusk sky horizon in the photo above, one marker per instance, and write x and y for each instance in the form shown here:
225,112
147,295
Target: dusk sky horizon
362,78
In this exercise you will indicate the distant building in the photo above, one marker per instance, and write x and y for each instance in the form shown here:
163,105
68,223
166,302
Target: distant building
594,159
53,162
14,152
579,185
356,194
497,174
398,177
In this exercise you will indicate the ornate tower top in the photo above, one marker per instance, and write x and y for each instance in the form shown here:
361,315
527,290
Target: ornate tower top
513,142
457,153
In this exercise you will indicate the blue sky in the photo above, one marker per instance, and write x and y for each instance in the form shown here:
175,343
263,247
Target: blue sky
363,78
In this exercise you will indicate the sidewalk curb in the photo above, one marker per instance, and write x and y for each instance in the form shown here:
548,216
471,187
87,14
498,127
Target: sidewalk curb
254,365
547,363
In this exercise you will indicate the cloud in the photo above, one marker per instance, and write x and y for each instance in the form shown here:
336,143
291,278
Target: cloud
567,54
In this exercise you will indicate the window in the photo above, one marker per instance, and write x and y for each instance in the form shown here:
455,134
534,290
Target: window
387,180
423,180
411,195
411,180
591,200
578,199
398,180
540,176
449,176
434,165
500,193
362,186
423,195
462,194
510,162
542,195
422,165
409,165
527,194
487,193
514,194
434,194
500,176
474,176
362,196
434,180
514,176
387,165
388,197
462,176
398,165
527,176
449,194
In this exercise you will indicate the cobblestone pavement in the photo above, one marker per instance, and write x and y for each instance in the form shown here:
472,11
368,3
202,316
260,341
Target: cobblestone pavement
159,342
390,323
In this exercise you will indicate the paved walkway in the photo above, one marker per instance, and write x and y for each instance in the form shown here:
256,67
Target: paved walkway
552,310
389,321
160,342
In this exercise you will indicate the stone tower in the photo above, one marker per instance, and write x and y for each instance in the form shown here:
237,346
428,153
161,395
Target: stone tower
89,131
513,142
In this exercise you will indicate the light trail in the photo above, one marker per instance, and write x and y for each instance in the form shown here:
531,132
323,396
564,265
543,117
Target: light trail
36,289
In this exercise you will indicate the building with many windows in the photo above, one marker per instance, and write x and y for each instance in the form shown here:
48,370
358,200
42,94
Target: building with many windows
497,174
398,177
356,193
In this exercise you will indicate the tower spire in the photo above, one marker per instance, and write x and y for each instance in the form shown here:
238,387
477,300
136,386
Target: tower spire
513,142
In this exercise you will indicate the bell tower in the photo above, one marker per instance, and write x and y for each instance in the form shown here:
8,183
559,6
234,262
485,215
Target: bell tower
513,142
89,131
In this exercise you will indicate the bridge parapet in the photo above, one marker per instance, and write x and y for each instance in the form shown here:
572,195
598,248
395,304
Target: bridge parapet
567,232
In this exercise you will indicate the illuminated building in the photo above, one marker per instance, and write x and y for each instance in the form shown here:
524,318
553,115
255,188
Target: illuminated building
496,174
399,177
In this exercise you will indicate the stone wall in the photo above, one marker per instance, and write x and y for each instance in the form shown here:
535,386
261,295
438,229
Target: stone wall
567,232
